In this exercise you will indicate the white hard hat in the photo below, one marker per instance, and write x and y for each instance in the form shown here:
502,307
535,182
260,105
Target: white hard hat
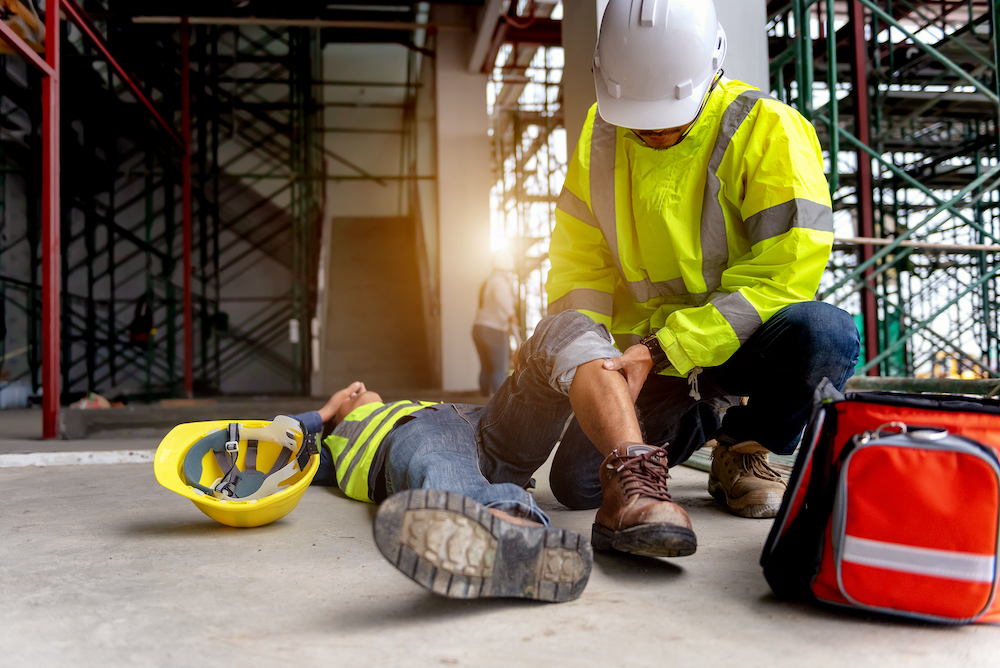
655,61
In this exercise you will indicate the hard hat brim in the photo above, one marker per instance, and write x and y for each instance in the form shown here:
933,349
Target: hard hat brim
649,114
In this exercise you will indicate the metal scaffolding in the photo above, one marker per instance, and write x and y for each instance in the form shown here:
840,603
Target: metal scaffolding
268,189
911,147
124,280
530,156
912,159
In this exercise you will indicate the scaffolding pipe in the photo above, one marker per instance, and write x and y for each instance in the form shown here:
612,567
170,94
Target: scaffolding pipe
186,206
83,22
50,242
51,256
951,248
866,224
51,250
948,64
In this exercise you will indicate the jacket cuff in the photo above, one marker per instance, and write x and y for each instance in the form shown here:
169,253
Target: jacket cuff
312,421
679,359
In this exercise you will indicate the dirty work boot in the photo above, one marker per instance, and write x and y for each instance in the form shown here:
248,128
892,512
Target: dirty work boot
743,480
637,514
458,548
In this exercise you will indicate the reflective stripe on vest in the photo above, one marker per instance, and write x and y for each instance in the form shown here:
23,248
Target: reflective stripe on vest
581,299
603,148
354,444
714,248
374,420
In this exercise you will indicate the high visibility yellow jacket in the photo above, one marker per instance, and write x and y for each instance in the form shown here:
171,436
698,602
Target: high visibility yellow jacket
357,445
702,242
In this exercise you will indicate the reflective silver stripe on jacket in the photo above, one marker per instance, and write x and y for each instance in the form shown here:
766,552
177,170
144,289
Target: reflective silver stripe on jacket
739,313
631,339
585,299
384,415
603,146
574,206
714,248
780,218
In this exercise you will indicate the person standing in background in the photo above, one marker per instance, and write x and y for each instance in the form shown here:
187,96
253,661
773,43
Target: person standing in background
495,319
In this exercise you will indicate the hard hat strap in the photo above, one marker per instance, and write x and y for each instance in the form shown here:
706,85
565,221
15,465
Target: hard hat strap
233,444
308,449
701,109
227,486
250,483
250,460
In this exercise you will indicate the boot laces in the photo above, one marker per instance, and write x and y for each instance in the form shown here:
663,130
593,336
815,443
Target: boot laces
645,474
756,464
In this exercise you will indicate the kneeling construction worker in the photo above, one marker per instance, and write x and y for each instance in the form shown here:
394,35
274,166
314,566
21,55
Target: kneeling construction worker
691,233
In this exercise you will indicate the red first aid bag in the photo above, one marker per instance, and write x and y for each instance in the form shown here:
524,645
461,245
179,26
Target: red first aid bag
893,507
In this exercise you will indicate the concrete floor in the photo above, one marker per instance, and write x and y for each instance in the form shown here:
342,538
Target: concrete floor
100,566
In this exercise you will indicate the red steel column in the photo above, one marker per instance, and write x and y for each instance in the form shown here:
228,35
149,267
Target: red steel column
866,224
51,256
186,208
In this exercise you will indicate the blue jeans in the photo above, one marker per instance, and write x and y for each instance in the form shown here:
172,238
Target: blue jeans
493,347
436,448
778,368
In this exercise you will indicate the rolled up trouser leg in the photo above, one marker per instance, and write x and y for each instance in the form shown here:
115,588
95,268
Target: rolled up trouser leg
524,420
437,450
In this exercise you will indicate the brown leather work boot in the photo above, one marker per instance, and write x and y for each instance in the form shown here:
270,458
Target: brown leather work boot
637,514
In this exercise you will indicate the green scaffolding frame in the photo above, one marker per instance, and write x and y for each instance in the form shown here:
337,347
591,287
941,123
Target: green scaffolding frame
927,73
121,234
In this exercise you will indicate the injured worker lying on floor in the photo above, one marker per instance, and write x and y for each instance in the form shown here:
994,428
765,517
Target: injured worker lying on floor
440,521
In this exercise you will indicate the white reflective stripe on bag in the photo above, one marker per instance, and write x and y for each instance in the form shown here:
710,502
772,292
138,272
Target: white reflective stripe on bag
921,560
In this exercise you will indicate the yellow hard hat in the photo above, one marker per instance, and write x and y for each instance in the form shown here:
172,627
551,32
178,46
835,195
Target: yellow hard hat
244,473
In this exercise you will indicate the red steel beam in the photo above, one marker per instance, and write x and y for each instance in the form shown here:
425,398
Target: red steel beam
186,206
51,248
23,49
87,27
866,218
51,260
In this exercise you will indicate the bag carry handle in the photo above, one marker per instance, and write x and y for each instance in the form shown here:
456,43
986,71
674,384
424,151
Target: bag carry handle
922,434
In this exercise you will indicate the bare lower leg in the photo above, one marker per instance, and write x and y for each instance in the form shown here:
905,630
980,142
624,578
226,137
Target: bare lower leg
507,517
603,407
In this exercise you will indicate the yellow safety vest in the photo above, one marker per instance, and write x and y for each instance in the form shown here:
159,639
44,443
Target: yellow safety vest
356,444
702,242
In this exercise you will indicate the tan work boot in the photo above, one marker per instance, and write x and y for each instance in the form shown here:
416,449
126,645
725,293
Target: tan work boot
637,514
743,480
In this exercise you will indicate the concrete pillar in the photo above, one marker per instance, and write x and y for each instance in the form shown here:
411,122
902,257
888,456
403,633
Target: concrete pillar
579,36
744,21
464,178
